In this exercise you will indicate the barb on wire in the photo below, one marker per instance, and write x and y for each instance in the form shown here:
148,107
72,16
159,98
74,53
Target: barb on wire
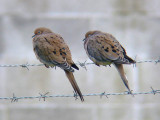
45,96
82,64
135,59
103,94
75,95
25,66
158,60
155,91
14,98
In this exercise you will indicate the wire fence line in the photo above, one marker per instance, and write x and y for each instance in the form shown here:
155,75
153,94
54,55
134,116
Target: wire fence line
45,96
82,64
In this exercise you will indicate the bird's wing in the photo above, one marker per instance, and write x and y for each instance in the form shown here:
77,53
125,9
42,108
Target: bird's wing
52,51
104,47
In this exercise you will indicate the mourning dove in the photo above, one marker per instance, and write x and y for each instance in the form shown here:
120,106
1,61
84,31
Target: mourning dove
52,51
103,49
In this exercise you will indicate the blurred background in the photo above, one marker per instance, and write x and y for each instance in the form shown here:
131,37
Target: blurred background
135,23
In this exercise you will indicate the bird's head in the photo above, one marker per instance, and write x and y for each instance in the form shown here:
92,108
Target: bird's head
41,30
90,33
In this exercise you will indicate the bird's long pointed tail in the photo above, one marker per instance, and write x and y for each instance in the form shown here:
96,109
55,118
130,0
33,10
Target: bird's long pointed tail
123,77
74,84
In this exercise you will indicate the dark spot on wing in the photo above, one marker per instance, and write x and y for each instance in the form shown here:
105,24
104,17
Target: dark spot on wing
98,36
64,53
47,40
54,52
98,42
106,49
114,51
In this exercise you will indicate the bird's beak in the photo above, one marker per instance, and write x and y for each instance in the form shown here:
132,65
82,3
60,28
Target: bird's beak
33,36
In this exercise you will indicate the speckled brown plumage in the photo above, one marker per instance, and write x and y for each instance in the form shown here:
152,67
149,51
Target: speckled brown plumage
103,49
52,51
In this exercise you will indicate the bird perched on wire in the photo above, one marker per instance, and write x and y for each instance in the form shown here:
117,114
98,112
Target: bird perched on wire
103,49
52,51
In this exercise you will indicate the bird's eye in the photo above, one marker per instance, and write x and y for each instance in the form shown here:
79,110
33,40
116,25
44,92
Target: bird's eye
38,32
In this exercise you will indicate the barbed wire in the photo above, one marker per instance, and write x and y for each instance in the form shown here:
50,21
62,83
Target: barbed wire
82,64
45,96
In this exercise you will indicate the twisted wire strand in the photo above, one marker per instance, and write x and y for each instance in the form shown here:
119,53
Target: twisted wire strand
82,64
45,96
